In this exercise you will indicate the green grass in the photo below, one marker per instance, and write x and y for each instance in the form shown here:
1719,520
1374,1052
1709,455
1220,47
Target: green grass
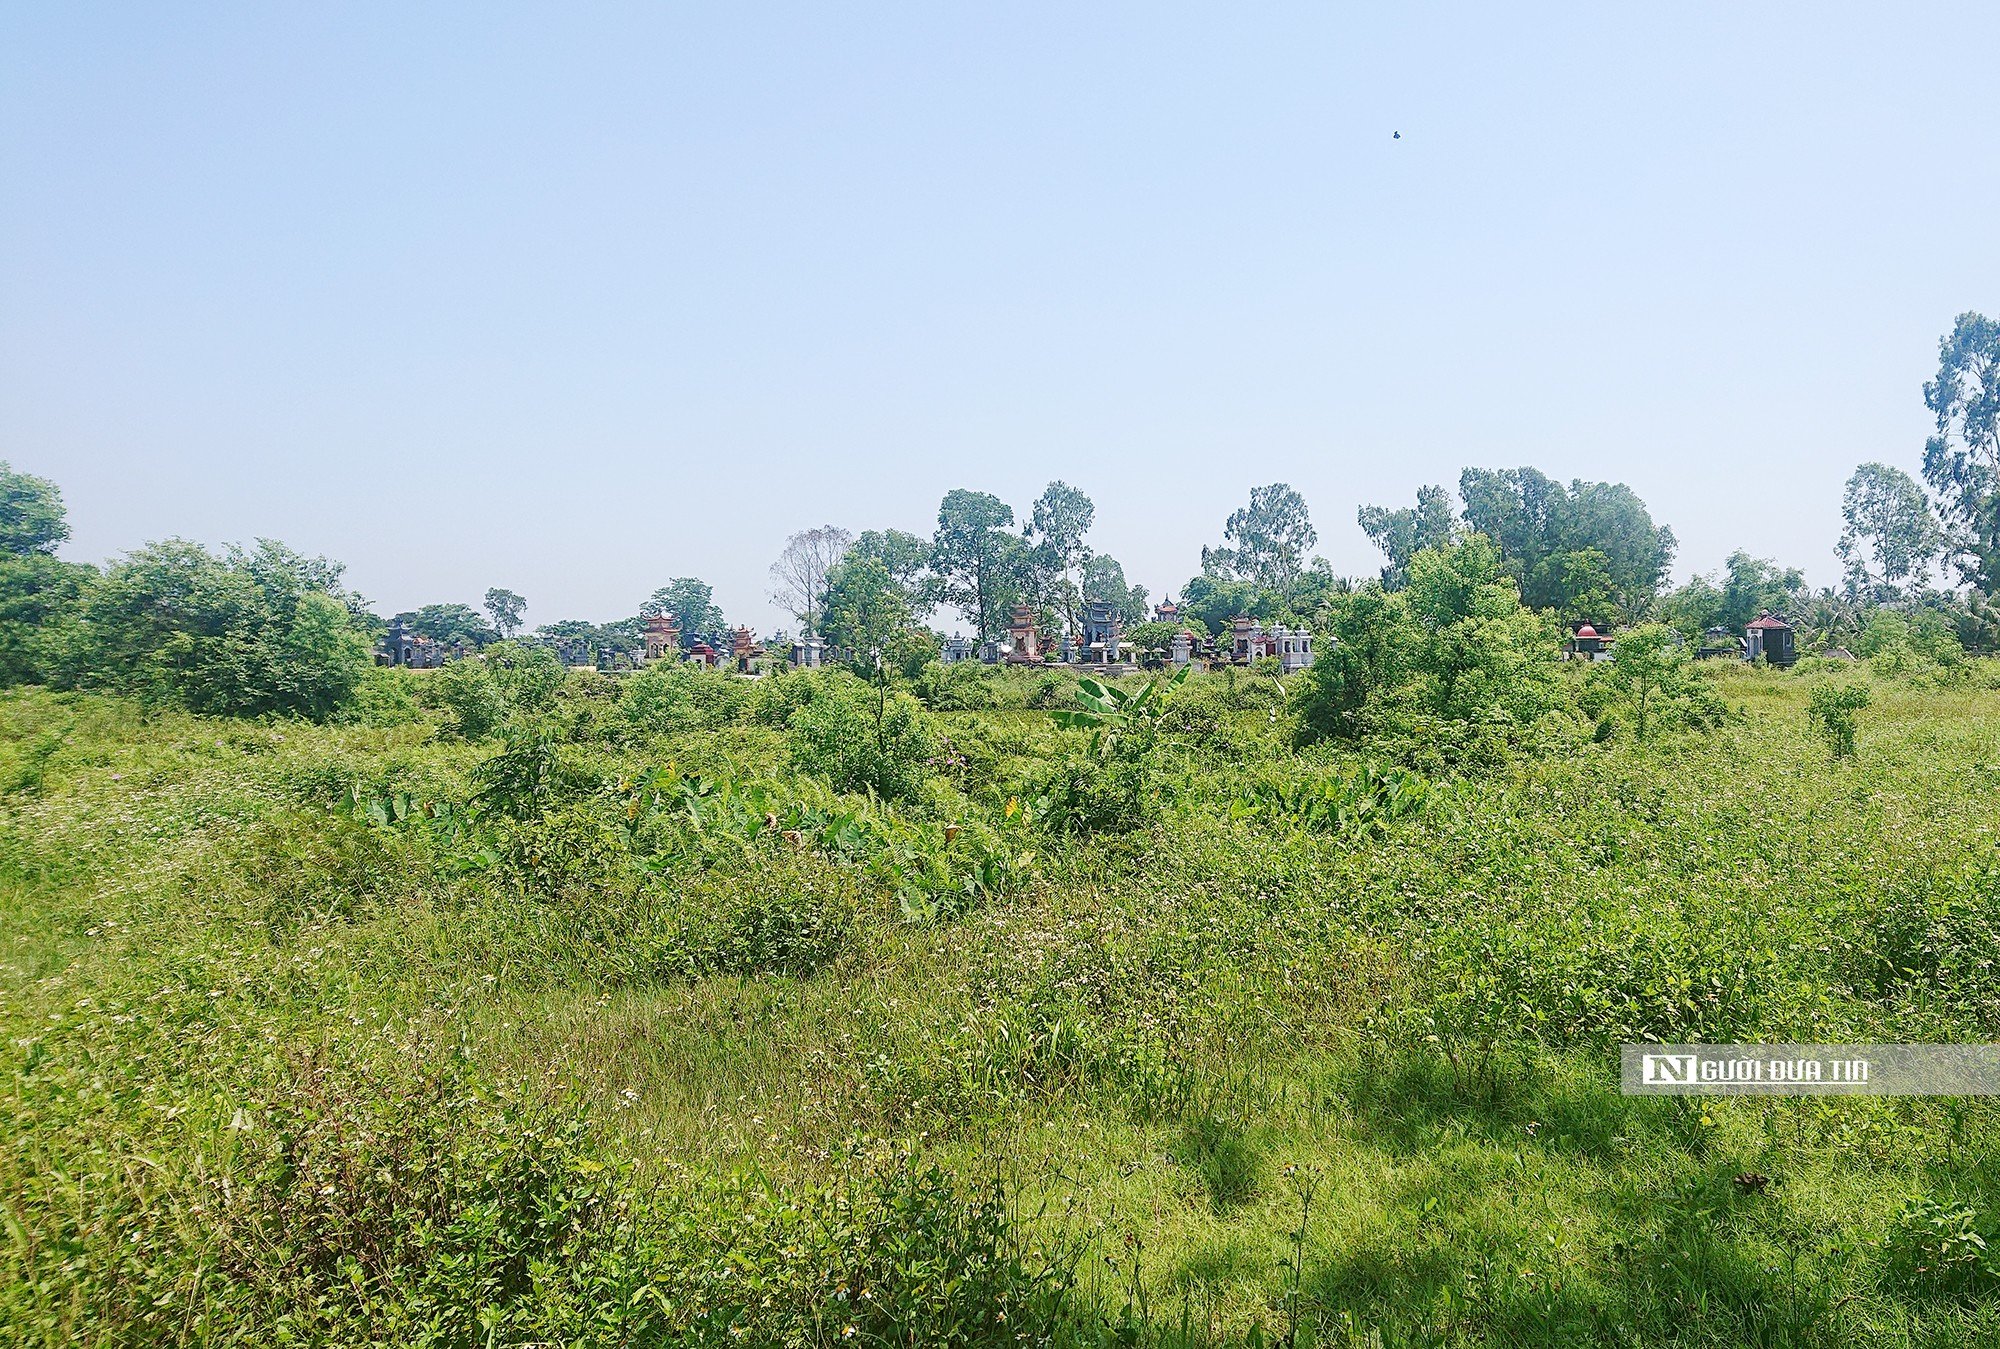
272,1071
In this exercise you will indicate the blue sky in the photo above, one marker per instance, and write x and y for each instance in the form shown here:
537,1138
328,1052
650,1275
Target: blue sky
575,299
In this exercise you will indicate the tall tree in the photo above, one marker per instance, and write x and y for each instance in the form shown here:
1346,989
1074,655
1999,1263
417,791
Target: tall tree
1891,536
865,606
32,519
1268,540
1755,585
1402,534
1962,461
449,623
977,559
1062,517
906,558
1535,521
505,608
245,634
692,603
798,577
1104,579
40,594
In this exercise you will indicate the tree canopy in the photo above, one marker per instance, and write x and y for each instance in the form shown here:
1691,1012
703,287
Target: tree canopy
1962,460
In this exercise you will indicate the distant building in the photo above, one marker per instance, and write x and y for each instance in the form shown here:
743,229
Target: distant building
663,637
1588,644
1022,631
1770,637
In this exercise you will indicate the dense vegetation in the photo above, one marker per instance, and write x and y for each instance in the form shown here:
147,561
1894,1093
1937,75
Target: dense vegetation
908,1004
632,1016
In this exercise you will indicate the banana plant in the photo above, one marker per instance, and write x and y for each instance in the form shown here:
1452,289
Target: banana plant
1110,714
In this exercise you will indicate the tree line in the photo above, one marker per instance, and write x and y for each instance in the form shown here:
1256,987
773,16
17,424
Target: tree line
265,629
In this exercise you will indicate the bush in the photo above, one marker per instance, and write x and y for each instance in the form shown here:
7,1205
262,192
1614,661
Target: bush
963,687
677,697
474,705
244,634
530,676
860,739
1832,710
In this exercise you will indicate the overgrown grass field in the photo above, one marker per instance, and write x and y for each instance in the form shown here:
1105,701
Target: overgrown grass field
679,1010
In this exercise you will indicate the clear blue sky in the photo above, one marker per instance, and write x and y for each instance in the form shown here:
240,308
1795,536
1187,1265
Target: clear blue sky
578,298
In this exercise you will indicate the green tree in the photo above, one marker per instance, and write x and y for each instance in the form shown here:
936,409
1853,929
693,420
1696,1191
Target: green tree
692,603
1832,708
1649,666
1537,522
1366,655
1211,601
977,559
1269,540
1890,538
1402,534
1693,608
244,634
1061,518
530,676
906,558
32,518
449,623
1104,580
865,607
1454,645
505,608
1962,460
1752,585
40,594
1579,586
863,740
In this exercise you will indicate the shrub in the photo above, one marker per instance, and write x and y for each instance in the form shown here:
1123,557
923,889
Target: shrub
864,740
1832,710
963,687
474,706
529,676
244,634
677,697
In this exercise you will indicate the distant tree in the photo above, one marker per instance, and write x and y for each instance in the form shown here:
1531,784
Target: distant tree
1269,540
1751,586
1692,609
1316,589
244,634
1962,460
799,576
40,594
32,518
1061,518
906,558
505,608
865,607
1211,601
1891,536
692,603
1104,579
1402,534
1535,521
979,563
1578,586
449,623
